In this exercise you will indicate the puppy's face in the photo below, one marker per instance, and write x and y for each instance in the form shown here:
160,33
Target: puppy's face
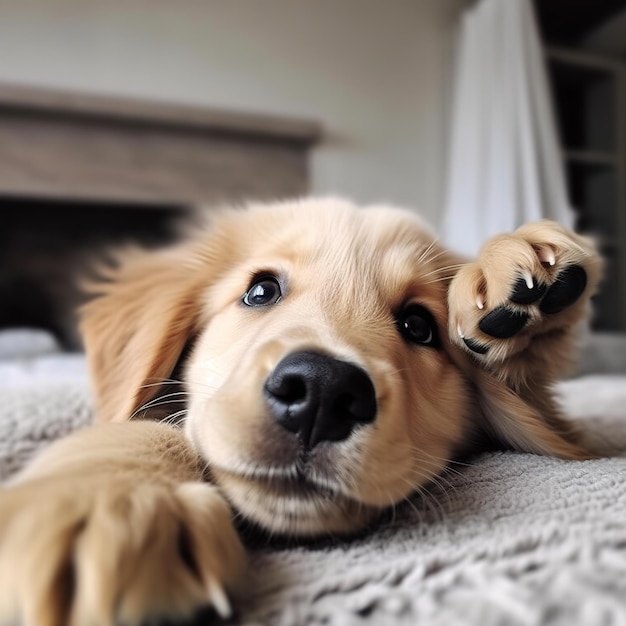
321,387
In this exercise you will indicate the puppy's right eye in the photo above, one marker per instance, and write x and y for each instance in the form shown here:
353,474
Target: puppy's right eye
264,291
417,325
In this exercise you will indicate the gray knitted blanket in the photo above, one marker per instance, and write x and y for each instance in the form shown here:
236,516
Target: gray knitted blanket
511,539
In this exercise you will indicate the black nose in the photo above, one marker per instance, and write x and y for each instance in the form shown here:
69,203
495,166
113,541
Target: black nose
319,398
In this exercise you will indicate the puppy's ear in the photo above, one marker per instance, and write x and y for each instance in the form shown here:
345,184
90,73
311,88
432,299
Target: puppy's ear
528,426
136,327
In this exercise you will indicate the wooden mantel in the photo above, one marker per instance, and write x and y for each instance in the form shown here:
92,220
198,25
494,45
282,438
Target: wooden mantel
76,146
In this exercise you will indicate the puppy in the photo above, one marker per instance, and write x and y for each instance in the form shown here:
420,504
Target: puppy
333,359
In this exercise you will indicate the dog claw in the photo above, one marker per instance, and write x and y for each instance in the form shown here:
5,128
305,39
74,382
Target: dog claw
546,255
480,303
459,331
528,278
219,599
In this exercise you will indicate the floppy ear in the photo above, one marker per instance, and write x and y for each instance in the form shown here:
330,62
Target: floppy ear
136,327
532,425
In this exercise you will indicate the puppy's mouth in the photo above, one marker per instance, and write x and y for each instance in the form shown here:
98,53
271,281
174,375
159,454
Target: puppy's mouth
292,501
299,481
301,486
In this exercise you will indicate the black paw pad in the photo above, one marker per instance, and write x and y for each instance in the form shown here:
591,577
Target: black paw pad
503,323
569,286
523,295
476,346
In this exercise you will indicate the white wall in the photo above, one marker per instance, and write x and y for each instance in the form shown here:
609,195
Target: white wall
374,72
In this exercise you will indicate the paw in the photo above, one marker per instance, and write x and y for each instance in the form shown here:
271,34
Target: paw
535,281
115,552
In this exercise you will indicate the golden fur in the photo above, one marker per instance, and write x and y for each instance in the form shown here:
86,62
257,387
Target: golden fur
137,524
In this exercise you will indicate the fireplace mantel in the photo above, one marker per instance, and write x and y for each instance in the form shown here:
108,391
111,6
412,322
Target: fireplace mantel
65,145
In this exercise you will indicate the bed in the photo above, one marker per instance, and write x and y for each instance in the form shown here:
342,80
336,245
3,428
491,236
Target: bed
509,538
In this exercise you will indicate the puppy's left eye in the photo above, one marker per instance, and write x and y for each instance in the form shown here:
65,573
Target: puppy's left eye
417,325
264,291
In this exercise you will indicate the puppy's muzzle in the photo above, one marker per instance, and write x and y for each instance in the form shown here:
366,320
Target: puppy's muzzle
319,398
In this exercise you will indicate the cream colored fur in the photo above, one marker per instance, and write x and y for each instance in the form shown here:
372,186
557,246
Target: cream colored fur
130,520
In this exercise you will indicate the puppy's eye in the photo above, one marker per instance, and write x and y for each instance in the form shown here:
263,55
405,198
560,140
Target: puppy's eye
264,291
417,325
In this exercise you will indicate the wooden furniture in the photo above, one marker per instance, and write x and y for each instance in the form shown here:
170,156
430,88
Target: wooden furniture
66,145
590,101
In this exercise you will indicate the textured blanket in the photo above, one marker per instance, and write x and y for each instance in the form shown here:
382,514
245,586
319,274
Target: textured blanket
510,539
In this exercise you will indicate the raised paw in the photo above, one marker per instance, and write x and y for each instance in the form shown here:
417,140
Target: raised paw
536,281
113,552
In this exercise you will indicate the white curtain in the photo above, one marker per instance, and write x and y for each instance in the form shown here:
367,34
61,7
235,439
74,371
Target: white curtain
505,167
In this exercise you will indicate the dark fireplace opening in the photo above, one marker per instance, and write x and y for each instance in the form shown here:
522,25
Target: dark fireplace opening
46,246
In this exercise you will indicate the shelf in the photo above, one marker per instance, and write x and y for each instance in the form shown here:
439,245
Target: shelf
588,95
76,105
607,311
581,59
593,191
591,157
585,103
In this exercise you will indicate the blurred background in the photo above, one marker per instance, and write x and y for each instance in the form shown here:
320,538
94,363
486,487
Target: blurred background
119,118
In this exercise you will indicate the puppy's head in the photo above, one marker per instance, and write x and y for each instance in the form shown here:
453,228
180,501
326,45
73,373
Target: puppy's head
320,384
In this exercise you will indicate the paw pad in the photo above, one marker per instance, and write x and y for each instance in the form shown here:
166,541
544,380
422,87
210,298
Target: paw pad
475,346
569,286
522,294
504,322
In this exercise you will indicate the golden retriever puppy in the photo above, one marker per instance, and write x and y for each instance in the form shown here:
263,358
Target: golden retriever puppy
326,362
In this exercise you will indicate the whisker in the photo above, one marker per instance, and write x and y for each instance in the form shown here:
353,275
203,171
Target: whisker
441,459
430,249
160,382
434,506
174,417
427,251
446,273
159,401
441,279
440,270
172,381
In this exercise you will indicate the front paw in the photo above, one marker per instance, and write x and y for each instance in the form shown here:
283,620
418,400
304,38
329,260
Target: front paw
115,552
535,281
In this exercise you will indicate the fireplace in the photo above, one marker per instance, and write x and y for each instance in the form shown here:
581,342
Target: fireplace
79,174
48,246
